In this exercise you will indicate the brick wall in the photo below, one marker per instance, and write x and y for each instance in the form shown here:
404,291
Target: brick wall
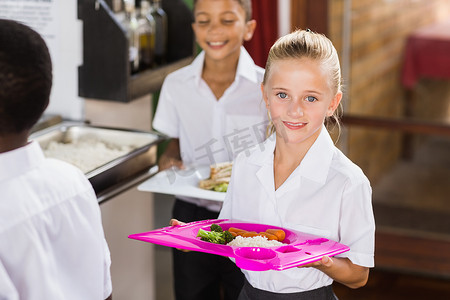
378,33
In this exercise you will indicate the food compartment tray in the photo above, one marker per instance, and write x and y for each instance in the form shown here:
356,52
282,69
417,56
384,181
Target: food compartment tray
299,248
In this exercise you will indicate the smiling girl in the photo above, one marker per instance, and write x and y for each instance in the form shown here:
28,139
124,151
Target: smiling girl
298,179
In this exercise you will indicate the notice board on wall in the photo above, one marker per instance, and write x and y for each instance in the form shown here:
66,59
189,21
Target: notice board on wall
56,21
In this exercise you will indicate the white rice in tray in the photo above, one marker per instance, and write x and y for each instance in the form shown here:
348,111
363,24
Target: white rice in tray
256,241
86,154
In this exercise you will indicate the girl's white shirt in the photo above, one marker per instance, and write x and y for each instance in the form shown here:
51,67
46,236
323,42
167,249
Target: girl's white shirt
326,195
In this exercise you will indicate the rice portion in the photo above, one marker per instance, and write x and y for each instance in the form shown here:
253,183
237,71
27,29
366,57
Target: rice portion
256,241
86,154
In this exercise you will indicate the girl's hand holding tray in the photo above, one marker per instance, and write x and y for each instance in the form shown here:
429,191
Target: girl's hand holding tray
297,248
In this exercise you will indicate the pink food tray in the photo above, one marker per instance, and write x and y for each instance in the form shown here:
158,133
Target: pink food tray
299,249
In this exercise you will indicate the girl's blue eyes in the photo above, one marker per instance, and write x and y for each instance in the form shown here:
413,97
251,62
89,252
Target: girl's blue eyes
285,96
282,95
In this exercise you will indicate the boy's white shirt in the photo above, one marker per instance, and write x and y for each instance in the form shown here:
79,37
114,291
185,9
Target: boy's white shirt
52,244
212,131
327,195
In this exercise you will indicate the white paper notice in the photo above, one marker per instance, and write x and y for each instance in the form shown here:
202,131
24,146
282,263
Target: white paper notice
57,22
41,15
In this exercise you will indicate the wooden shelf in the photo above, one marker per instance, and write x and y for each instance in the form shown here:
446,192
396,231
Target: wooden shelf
412,254
409,125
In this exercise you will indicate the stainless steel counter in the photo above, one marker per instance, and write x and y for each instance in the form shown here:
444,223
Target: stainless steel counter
114,176
46,121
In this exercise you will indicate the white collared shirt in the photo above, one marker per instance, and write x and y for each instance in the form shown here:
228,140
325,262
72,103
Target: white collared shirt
52,244
326,195
210,130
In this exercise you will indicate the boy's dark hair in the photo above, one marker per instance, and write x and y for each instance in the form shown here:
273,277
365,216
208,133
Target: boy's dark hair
25,77
246,5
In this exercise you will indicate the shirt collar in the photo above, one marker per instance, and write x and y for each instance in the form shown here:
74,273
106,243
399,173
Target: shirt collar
264,155
18,161
245,68
317,161
197,68
315,164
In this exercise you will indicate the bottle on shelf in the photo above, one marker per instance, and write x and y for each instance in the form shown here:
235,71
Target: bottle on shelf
160,18
116,6
119,10
131,26
146,29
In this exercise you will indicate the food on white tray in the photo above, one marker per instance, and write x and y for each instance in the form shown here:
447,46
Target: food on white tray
86,154
219,177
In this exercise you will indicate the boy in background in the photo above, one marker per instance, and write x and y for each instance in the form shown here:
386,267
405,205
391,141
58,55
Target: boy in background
52,244
212,110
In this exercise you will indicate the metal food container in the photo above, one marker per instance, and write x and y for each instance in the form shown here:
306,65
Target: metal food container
140,158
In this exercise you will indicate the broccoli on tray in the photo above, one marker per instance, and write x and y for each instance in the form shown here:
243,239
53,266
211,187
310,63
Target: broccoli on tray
217,235
216,228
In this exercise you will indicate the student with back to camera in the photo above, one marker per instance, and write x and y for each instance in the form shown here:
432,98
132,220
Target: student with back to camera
52,244
212,109
298,179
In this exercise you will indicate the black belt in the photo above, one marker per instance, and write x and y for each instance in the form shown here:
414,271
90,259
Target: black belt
250,293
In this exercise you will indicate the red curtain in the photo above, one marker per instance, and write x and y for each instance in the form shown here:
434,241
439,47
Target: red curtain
265,12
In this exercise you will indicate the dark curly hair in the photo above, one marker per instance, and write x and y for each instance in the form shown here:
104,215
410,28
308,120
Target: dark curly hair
25,77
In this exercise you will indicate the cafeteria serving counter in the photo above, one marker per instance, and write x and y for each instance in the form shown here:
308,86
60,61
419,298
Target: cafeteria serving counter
113,159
